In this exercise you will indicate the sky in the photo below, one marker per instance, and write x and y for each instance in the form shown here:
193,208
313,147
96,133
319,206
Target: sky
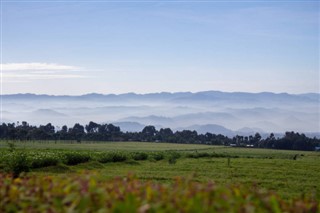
80,47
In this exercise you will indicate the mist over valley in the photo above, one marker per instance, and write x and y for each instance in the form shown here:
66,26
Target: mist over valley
210,111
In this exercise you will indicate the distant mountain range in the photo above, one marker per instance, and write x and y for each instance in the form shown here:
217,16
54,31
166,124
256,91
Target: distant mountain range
209,111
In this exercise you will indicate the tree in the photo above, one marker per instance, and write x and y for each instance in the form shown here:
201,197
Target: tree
3,131
165,134
269,142
12,132
110,132
64,129
77,132
22,131
256,139
187,136
148,133
63,133
47,131
92,127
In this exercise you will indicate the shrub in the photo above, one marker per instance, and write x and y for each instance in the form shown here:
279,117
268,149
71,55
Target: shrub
119,157
172,160
139,156
44,162
210,155
199,155
16,163
112,157
105,158
157,156
74,158
173,156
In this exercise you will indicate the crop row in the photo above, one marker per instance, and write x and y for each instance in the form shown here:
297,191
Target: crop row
44,158
18,161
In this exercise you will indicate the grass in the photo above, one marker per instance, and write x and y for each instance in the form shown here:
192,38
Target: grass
287,178
274,170
105,146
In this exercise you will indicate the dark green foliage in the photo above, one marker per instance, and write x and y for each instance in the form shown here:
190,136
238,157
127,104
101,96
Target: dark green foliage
209,155
105,158
74,158
119,157
16,163
172,160
139,156
173,156
44,162
157,156
199,155
109,157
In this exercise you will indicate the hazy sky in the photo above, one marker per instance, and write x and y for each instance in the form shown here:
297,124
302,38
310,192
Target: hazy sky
77,47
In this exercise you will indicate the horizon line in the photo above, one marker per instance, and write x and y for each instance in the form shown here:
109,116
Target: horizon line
161,92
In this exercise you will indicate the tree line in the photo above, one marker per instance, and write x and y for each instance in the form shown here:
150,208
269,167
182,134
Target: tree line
109,132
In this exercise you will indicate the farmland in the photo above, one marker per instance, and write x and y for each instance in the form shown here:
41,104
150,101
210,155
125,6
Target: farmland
290,174
105,146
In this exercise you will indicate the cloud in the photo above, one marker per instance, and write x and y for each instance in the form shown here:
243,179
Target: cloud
37,66
12,72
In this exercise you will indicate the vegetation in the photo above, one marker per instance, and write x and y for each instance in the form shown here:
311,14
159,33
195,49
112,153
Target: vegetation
291,174
74,158
16,163
87,194
220,178
109,132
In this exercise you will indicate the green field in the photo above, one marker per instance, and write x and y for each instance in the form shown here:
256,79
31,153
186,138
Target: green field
268,169
105,146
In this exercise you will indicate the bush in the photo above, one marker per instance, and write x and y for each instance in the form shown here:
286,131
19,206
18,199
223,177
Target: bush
112,157
173,157
221,155
199,155
175,154
119,157
74,158
158,156
44,162
105,158
210,155
16,163
139,156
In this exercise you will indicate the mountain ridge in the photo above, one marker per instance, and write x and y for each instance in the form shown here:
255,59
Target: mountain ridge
270,112
165,93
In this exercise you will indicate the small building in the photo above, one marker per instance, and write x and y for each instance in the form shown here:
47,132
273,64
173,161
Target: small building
317,148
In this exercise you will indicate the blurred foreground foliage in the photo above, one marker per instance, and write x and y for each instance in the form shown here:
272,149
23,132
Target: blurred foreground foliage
86,193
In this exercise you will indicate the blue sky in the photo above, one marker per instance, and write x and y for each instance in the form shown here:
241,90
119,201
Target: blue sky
78,47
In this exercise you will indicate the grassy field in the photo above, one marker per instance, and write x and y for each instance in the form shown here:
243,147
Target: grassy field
287,177
268,169
105,146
